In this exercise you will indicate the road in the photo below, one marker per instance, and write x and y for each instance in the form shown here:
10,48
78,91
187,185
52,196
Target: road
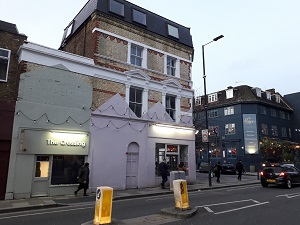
245,205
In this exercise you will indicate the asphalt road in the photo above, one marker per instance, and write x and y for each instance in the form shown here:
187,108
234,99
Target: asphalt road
245,205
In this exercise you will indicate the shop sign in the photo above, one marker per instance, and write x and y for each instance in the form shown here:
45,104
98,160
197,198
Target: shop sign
65,143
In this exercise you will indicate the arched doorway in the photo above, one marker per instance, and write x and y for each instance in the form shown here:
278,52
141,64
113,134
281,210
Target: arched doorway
132,166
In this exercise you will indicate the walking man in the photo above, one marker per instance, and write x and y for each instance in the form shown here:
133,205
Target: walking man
163,169
217,171
240,169
83,179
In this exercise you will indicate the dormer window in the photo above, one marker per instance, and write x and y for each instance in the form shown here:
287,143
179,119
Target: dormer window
212,97
139,17
173,31
198,100
68,30
258,92
277,98
116,7
268,94
229,93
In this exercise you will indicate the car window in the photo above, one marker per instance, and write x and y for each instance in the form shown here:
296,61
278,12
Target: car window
273,169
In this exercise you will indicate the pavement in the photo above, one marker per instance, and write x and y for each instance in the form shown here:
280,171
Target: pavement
202,183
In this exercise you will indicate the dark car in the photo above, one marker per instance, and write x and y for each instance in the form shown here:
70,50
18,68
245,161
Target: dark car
228,168
285,175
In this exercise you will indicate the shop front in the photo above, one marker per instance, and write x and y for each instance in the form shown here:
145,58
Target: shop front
48,162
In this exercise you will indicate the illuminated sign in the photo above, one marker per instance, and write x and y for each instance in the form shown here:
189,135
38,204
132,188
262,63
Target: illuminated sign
65,143
250,134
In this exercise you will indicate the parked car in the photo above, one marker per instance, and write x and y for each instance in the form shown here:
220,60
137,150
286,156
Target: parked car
285,175
228,168
203,168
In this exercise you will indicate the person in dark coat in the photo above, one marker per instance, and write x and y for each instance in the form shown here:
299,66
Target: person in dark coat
217,171
240,169
163,169
83,179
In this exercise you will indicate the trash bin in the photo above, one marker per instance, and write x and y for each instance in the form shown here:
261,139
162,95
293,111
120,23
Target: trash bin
181,175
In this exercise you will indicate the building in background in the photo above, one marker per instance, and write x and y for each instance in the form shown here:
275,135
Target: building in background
10,42
246,123
118,94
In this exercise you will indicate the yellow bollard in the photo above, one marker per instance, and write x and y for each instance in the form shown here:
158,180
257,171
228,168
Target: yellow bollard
103,205
181,194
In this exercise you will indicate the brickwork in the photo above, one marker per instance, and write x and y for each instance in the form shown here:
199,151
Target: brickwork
155,61
9,41
153,98
185,104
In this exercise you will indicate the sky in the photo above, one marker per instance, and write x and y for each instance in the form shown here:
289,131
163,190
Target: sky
260,48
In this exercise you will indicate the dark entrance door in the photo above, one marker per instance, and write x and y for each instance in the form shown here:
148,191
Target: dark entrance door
4,161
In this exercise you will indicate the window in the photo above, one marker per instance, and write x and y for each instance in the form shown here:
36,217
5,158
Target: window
135,101
277,98
273,112
231,153
173,31
230,128
258,92
198,100
4,63
283,132
212,97
263,110
288,116
274,131
171,66
212,113
268,95
68,30
264,129
228,110
65,169
42,167
136,55
290,133
139,17
216,153
282,114
170,106
116,7
229,93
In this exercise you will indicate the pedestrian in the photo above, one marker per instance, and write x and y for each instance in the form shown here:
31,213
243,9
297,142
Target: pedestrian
83,179
240,169
217,171
163,169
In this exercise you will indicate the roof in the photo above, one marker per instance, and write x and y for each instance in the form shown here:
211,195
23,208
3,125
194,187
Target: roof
155,23
8,27
247,95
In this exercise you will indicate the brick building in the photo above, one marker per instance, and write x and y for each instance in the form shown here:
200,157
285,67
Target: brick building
10,42
118,93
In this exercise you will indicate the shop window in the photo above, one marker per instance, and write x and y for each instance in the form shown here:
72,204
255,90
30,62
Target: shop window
216,153
42,166
231,153
65,169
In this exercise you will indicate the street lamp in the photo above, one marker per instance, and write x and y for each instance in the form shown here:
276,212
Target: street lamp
205,106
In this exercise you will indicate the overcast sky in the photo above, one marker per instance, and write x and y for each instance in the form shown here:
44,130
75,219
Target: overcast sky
260,48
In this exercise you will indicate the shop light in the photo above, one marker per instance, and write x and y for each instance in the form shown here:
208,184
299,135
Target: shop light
174,127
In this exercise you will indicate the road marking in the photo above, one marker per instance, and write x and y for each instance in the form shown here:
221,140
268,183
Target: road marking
225,203
240,188
208,209
231,210
292,195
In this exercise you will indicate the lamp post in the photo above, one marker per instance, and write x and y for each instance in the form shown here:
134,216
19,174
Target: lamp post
205,106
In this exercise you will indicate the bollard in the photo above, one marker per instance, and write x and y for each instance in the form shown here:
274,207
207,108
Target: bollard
181,194
103,205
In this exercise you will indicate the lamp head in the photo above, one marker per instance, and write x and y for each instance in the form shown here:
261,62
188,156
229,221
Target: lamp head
217,38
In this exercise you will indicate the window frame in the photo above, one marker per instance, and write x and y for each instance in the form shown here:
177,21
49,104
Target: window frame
116,10
229,110
139,17
284,132
230,129
5,58
173,31
171,69
230,155
134,105
212,97
264,129
170,110
273,112
274,130
212,113
263,110
134,58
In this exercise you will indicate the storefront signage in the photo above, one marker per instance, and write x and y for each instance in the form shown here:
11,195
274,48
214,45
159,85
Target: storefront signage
65,143
250,134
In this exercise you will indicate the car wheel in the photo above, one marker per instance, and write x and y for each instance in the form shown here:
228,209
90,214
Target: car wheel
289,184
264,184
